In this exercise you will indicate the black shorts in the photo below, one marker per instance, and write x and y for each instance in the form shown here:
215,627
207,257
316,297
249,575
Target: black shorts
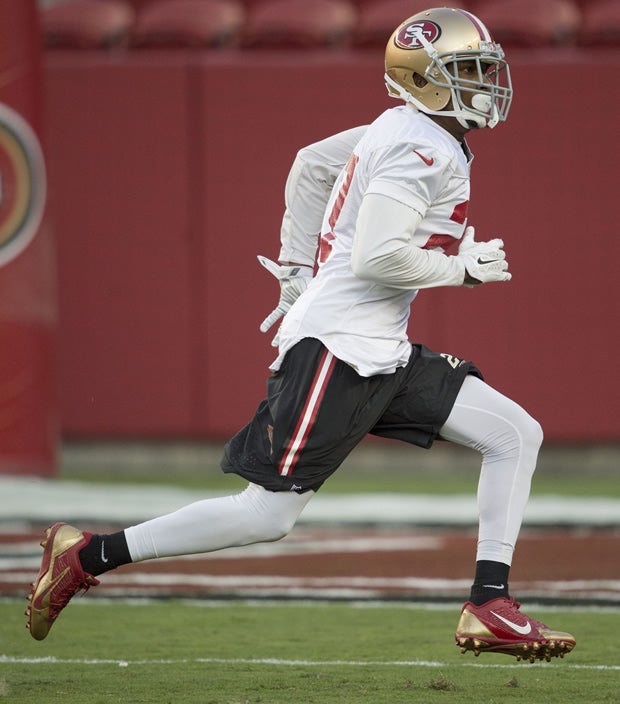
318,409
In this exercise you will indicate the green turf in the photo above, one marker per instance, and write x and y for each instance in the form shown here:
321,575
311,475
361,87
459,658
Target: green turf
583,471
348,481
298,653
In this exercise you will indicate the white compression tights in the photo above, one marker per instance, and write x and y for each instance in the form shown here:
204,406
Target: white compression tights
481,418
253,516
509,440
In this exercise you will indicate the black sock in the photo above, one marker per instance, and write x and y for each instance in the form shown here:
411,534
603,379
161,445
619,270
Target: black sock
490,582
104,552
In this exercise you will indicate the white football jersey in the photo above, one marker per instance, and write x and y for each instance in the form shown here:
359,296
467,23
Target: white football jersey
405,156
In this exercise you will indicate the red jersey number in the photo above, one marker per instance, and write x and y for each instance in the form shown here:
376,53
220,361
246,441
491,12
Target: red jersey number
325,244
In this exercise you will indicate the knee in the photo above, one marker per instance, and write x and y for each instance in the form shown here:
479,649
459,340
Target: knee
523,441
271,527
281,527
531,433
272,515
520,436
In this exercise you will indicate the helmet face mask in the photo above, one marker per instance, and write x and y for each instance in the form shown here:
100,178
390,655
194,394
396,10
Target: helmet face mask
460,64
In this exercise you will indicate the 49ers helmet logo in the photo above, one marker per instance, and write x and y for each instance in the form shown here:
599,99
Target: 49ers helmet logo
409,35
22,184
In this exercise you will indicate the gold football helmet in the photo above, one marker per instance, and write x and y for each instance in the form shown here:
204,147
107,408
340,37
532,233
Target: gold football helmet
431,46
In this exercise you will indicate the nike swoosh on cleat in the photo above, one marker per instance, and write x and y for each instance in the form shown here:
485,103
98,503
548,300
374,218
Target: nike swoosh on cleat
103,557
48,590
521,630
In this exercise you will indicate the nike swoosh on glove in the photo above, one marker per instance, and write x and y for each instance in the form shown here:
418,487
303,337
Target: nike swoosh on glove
484,261
294,281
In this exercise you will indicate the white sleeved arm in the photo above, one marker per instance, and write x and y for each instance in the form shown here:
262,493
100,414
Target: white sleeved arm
383,251
308,187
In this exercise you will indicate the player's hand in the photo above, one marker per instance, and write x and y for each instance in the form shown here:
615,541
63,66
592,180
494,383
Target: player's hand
484,261
293,282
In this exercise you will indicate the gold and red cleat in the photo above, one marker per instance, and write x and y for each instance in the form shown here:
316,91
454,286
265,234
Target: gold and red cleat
499,627
60,578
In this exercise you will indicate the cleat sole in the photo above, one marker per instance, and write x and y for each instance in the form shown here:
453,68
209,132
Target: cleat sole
522,652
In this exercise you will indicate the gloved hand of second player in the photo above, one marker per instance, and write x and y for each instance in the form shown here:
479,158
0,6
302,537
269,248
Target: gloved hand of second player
293,282
484,261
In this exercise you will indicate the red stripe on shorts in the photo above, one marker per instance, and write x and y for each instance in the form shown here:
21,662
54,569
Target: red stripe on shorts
308,415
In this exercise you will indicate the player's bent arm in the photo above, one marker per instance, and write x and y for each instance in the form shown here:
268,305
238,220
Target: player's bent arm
383,251
308,187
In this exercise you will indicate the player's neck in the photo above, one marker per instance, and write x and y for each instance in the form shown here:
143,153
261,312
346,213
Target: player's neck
452,126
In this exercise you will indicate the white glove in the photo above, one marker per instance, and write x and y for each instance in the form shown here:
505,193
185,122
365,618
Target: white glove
484,261
293,282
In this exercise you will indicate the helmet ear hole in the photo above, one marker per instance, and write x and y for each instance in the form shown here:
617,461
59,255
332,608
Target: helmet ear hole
419,81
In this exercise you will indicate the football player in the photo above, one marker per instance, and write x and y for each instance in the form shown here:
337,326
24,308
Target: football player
381,212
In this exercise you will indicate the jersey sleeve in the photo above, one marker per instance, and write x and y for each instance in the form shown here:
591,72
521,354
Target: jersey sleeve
308,187
413,175
383,251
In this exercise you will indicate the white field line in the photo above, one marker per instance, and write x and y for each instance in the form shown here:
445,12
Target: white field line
50,660
350,587
150,579
252,601
42,500
206,580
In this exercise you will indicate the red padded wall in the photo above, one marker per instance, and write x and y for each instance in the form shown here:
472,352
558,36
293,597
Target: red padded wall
119,164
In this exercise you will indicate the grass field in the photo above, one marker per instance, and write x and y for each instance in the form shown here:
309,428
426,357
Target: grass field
102,652
457,478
